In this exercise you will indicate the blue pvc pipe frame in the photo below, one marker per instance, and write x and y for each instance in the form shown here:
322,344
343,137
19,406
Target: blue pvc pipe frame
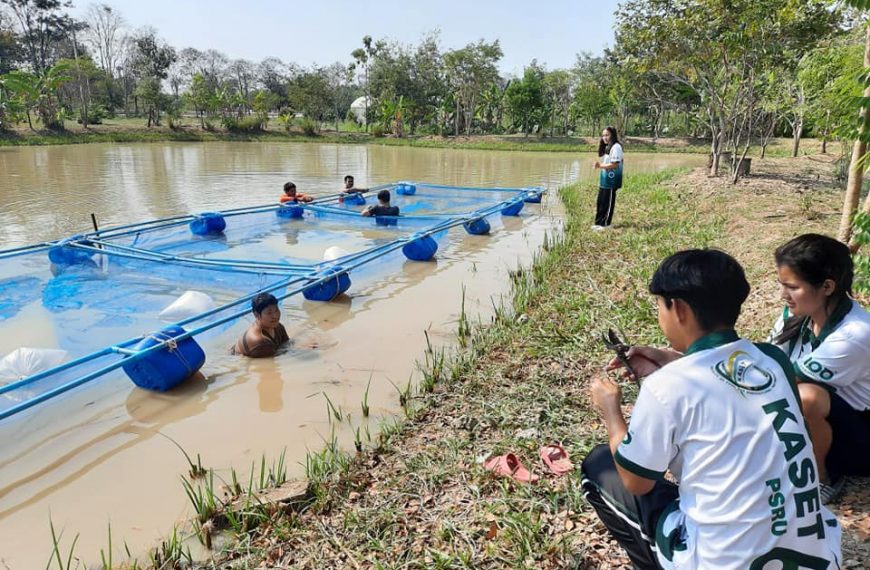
300,275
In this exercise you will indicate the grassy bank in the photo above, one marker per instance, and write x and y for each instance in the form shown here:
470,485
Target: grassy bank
132,131
417,496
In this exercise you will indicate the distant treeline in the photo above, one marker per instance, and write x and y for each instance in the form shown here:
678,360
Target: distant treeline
738,73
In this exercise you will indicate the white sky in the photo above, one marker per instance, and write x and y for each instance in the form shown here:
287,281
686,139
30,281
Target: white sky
307,32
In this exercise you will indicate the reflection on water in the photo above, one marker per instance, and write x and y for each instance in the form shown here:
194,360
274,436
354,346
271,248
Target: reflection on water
91,456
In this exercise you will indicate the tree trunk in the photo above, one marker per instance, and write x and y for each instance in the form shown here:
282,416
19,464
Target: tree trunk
716,151
825,135
456,120
796,140
856,169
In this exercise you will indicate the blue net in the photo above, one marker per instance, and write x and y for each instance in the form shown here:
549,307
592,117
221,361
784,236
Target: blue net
97,295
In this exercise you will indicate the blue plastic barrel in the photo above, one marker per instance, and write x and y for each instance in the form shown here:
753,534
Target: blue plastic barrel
64,254
208,224
513,209
168,367
406,189
478,227
355,199
387,220
289,211
533,196
421,249
331,288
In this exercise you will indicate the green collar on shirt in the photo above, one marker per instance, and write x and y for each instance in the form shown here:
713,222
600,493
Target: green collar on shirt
712,340
840,311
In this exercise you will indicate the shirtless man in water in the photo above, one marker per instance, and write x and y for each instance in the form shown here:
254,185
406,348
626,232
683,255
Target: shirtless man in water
349,187
266,334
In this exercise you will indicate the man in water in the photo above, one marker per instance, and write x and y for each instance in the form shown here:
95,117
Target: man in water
383,208
349,187
290,195
266,334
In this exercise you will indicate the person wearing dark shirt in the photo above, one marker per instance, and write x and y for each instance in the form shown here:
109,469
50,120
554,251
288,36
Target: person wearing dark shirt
383,208
266,334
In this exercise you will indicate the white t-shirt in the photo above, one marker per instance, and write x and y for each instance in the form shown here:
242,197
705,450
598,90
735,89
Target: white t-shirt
726,421
615,154
611,178
839,357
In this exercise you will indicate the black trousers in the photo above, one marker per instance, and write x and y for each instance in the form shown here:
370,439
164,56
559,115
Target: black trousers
605,207
850,448
631,520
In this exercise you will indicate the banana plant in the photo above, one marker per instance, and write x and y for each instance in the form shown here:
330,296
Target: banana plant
38,91
392,115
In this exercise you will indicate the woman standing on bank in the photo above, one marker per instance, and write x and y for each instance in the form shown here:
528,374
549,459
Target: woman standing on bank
610,178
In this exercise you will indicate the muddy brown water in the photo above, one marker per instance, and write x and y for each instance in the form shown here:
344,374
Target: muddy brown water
101,454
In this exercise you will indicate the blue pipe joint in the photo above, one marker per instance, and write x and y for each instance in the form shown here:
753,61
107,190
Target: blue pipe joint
533,195
406,189
169,366
355,199
421,249
477,227
64,254
513,208
330,288
208,224
290,211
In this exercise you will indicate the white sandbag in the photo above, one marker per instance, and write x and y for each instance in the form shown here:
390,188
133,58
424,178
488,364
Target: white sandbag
191,303
333,253
23,362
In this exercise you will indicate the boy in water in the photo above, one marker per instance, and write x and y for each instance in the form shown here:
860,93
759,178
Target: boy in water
383,208
266,334
290,195
723,416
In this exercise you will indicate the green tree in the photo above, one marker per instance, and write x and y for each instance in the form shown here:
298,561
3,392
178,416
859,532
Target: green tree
526,101
591,101
151,61
311,94
719,49
470,71
43,26
559,90
362,56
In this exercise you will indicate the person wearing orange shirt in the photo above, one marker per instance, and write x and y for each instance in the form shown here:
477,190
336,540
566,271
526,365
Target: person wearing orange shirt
290,195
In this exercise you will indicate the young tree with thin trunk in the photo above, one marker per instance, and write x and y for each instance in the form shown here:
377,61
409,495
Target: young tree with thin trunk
106,35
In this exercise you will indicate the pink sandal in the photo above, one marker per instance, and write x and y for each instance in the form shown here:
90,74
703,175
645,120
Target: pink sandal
556,458
508,465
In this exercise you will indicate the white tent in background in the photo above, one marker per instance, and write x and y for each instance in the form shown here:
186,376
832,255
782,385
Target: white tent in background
358,108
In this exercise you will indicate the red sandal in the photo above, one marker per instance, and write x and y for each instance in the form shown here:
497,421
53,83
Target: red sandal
508,465
556,459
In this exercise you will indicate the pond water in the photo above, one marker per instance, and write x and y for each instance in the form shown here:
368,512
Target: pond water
106,452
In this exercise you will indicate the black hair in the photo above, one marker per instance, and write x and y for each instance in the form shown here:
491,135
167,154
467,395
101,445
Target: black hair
710,281
604,148
384,196
816,258
288,186
261,301
348,177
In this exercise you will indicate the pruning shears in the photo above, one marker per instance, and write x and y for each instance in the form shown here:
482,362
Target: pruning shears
613,342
